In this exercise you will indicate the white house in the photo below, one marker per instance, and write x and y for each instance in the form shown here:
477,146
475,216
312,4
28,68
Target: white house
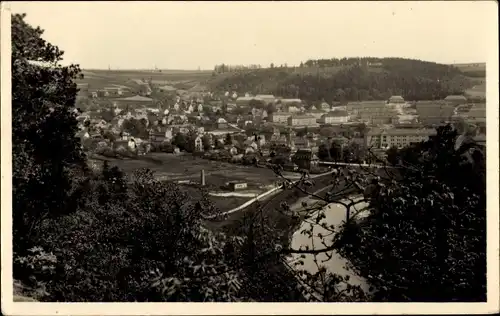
233,151
279,117
251,143
267,98
168,134
261,141
324,106
176,106
131,143
125,135
339,108
264,114
198,143
200,107
335,117
293,109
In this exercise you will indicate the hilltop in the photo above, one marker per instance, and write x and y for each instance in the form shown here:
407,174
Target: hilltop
350,79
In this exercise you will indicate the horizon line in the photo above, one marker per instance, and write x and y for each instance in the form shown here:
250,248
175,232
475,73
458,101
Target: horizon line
290,66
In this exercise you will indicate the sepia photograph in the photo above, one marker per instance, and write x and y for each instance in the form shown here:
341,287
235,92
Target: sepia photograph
312,154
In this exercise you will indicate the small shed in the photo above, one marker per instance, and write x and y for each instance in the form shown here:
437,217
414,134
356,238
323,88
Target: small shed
237,185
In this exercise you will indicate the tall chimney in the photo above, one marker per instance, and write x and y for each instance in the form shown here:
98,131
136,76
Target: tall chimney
203,177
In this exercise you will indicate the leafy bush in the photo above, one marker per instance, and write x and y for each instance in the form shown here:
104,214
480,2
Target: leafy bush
44,146
39,268
424,239
144,241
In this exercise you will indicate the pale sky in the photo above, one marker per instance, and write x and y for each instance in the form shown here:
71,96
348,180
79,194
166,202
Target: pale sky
188,35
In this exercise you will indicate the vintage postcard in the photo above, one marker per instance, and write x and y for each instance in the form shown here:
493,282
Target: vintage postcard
294,158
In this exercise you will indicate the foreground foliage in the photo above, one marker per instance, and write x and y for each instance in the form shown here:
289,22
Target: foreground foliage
136,242
425,236
43,128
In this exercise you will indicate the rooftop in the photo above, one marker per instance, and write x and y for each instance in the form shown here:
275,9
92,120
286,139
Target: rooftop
291,100
315,111
229,129
281,113
455,98
367,104
336,114
248,99
429,102
302,117
396,97
402,131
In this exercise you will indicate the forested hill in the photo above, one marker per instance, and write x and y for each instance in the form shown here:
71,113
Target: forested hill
348,79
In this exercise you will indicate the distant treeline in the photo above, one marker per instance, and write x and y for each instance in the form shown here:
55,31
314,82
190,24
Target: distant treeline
223,68
353,79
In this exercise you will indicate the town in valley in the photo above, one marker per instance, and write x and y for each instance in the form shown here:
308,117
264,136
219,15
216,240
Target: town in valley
329,179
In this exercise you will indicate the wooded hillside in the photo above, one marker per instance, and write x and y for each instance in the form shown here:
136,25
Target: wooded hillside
350,79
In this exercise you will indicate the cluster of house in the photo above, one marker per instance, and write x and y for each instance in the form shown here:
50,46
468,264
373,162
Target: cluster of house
110,91
394,122
395,110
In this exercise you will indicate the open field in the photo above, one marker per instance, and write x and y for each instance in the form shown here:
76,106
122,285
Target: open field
471,67
479,87
98,79
477,91
474,70
170,167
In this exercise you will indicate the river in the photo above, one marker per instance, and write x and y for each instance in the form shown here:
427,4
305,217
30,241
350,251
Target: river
335,215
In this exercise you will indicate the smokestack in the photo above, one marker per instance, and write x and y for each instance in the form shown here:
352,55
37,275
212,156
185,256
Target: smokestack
203,177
